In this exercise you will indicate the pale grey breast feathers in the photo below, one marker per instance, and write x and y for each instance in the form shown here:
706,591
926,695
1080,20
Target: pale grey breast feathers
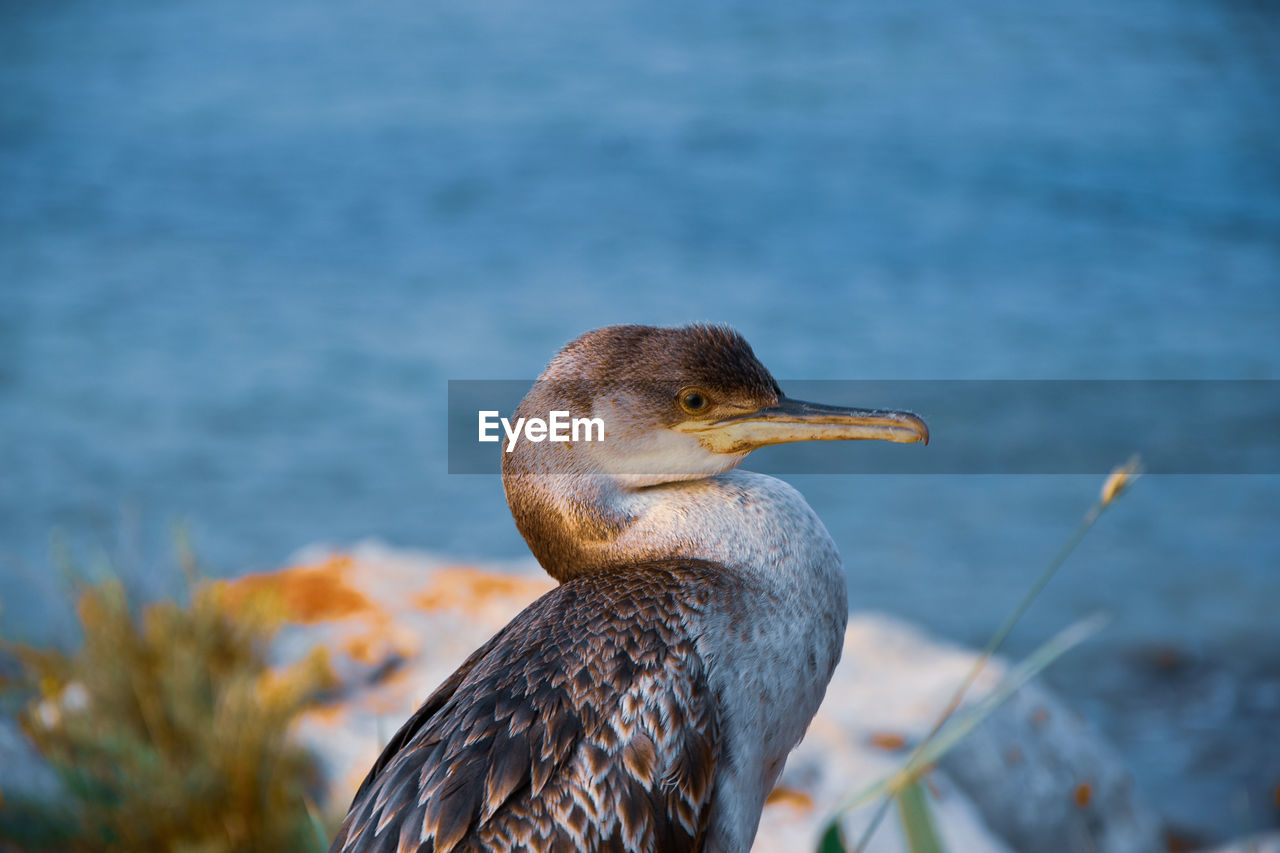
585,724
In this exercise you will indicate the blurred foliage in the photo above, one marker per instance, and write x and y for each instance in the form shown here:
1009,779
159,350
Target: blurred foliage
169,730
917,820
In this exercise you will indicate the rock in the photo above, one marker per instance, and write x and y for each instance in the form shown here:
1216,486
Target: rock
827,767
1036,774
407,621
1045,780
1033,777
393,624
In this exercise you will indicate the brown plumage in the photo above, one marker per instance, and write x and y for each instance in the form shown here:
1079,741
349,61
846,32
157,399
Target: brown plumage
585,724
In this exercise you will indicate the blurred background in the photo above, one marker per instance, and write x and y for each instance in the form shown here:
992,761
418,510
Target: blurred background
244,246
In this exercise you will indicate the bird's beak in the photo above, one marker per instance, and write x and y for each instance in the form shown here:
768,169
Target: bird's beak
795,420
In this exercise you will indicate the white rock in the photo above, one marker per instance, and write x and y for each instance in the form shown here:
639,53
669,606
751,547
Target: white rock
425,615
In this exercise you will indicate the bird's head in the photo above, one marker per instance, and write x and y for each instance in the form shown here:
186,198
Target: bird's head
678,404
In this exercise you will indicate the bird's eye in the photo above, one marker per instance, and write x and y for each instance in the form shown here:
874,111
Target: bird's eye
693,400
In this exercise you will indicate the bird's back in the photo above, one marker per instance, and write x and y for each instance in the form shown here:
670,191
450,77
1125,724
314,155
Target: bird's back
587,723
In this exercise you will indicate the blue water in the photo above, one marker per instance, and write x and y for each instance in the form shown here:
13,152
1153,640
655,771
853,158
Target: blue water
243,247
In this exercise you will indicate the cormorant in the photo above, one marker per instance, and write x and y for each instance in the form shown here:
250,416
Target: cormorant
649,701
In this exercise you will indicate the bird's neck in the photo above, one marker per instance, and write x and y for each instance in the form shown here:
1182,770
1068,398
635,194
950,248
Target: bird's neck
782,612
577,523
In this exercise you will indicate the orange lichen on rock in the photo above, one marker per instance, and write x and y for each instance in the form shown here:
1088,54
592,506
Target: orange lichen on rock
382,641
364,648
888,741
330,715
474,590
307,594
790,797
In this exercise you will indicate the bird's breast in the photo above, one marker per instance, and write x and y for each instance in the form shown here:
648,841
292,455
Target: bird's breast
772,640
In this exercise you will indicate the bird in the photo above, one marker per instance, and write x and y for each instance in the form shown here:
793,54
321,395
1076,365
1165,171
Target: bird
648,702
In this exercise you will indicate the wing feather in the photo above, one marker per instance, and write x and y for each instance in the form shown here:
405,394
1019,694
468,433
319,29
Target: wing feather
587,723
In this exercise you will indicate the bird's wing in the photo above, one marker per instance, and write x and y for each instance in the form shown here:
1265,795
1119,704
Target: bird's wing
586,724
